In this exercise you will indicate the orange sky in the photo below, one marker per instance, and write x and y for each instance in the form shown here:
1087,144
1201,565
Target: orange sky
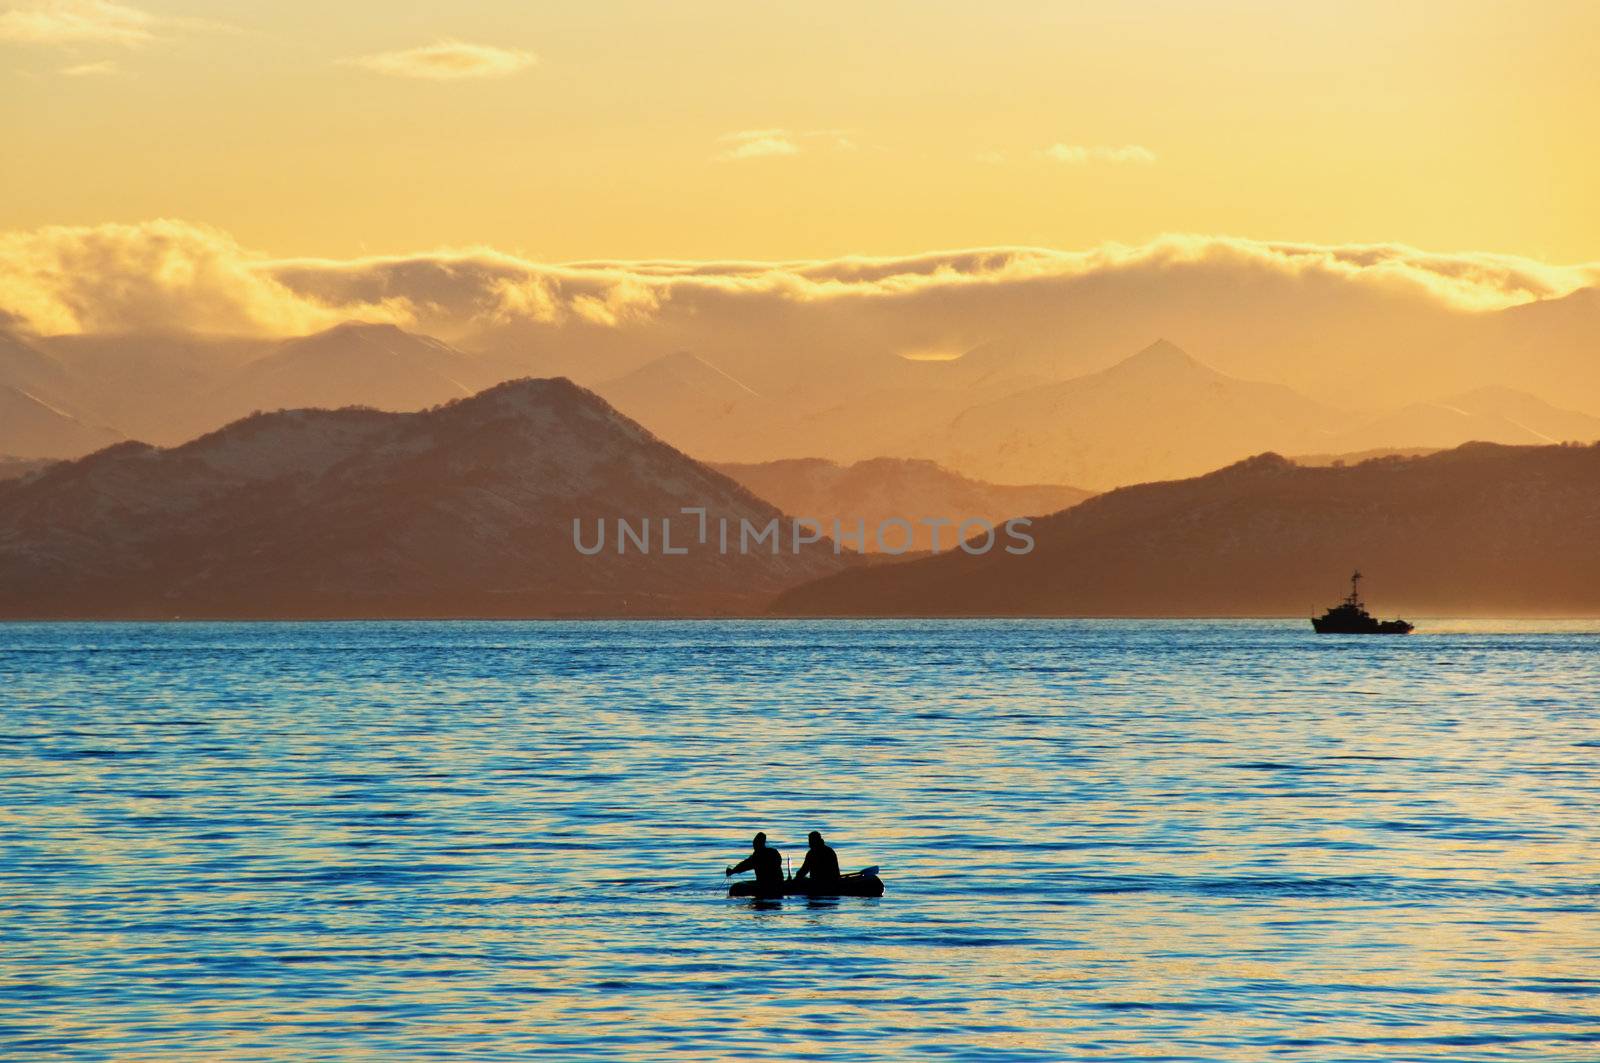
723,129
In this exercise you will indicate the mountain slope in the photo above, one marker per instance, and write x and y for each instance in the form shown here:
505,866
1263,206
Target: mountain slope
843,412
380,366
1486,415
151,386
465,510
685,398
1158,414
1479,529
883,488
27,368
33,428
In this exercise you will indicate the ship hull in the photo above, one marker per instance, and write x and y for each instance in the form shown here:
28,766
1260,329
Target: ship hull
1324,626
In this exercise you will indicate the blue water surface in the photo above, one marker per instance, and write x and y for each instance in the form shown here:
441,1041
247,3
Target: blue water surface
505,841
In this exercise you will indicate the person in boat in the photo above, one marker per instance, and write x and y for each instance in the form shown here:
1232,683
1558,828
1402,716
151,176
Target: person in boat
821,866
765,861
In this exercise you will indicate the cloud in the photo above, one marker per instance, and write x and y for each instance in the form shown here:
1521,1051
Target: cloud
447,60
72,23
111,278
1333,318
1081,155
78,22
757,144
84,70
749,144
158,276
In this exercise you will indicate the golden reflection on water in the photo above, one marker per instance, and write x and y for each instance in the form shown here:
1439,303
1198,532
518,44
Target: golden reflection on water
1109,840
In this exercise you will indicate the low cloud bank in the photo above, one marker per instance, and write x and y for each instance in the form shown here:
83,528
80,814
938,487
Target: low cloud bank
175,275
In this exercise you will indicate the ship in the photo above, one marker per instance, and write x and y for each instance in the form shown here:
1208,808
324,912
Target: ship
1350,617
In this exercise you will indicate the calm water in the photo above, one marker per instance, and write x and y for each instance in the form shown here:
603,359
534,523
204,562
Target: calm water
1100,840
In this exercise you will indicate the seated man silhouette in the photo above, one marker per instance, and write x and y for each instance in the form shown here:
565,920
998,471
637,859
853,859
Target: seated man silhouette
766,862
821,867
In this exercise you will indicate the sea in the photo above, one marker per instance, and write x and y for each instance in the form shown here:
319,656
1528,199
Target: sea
1100,840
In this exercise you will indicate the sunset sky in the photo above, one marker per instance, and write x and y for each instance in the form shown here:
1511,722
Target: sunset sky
565,132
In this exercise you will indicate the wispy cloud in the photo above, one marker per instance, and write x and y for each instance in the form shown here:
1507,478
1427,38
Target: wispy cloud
747,144
447,60
1083,154
89,70
78,22
75,24
757,144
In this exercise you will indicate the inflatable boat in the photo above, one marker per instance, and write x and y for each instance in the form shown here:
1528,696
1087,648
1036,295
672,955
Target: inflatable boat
864,883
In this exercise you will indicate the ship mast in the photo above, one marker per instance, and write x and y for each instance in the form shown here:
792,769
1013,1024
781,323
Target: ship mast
1355,590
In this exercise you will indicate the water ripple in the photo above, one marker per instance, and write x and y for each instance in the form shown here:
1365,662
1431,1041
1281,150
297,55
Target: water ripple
496,841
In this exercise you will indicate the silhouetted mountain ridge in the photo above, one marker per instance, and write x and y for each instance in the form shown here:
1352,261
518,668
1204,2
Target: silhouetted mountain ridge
1482,528
461,510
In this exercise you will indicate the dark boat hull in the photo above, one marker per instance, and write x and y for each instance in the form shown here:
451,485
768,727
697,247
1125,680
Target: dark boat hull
1324,626
846,886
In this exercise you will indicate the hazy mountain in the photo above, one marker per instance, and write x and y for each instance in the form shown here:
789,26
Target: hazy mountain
151,386
27,368
462,510
882,488
1489,415
33,428
844,411
1159,414
1480,529
37,416
353,364
1547,346
686,399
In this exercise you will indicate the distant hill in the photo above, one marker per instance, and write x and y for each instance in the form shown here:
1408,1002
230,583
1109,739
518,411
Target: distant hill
1159,414
843,412
32,428
157,387
24,366
353,364
1485,415
702,409
878,489
464,510
1479,529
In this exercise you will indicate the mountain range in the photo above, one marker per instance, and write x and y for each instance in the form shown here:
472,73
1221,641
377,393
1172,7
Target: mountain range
1482,528
1159,414
467,509
995,413
1162,414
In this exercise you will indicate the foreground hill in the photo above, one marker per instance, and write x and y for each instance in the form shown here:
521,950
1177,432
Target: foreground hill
887,488
463,510
16,468
1479,529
